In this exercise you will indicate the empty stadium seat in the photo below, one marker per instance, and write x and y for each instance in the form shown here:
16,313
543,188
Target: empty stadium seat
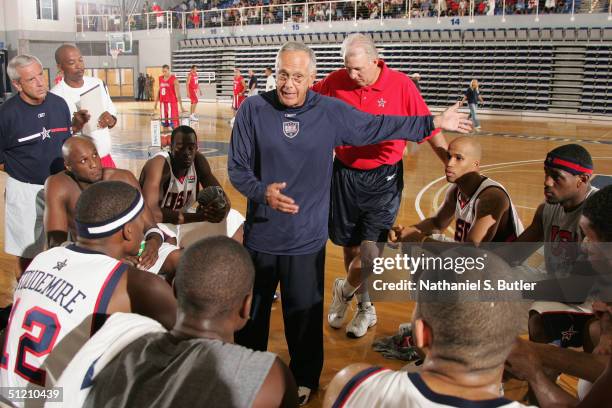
582,34
557,34
606,34
595,34
501,34
434,35
469,35
395,36
521,34
534,34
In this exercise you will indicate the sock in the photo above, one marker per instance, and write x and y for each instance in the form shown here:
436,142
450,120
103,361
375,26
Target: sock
348,290
363,298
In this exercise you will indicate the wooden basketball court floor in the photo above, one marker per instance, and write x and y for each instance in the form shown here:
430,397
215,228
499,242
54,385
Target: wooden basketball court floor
513,152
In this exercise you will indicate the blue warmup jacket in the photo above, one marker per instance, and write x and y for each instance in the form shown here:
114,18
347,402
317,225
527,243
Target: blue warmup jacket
273,144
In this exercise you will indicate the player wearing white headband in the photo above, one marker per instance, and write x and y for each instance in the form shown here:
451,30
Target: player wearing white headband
67,292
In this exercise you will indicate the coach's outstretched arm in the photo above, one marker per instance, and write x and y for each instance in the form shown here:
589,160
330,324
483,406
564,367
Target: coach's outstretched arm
359,128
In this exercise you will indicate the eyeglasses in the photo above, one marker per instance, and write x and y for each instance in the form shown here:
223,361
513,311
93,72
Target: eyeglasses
296,78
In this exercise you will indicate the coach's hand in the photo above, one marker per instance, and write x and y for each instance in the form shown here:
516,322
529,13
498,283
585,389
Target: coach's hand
453,120
79,119
278,201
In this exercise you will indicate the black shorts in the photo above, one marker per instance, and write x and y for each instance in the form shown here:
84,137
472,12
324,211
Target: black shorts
364,203
565,328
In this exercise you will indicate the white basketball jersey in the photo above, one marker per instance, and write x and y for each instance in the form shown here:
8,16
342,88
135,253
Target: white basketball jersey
465,213
181,193
60,301
380,387
562,227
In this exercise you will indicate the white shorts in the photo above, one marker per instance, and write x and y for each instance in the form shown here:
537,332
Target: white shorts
187,234
164,250
24,208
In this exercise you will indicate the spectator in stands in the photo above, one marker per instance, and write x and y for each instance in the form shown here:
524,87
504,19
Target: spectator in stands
472,96
519,7
481,8
549,6
195,18
270,81
159,15
464,359
532,6
462,7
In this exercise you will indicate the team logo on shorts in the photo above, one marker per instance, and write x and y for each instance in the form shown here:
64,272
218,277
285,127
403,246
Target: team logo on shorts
291,129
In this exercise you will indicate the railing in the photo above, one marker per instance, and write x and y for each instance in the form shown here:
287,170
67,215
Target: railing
328,11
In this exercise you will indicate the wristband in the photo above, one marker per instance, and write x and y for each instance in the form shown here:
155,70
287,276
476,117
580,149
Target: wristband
152,231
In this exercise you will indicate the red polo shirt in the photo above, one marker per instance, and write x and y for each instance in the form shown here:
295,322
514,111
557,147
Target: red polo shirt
392,94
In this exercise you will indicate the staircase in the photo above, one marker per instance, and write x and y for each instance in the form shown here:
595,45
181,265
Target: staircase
568,75
225,73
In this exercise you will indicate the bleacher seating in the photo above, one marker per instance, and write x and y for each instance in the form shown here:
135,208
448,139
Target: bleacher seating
518,69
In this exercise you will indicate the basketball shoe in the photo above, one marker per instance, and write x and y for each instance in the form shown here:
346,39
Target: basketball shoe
339,304
362,321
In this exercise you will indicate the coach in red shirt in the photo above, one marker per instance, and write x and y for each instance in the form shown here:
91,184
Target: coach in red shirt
368,180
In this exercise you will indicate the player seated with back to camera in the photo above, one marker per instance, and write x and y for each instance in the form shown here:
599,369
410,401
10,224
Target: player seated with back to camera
172,182
465,340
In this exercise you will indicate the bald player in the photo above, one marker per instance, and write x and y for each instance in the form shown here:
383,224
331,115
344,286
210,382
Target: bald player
67,292
481,207
196,363
74,84
84,169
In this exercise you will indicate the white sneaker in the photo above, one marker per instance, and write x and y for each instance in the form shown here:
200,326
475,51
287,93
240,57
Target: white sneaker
303,395
339,304
362,321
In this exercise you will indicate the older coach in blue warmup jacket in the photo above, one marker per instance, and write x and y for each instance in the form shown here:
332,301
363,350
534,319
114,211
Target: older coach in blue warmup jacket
283,140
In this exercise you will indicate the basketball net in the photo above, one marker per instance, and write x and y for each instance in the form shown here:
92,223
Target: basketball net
115,54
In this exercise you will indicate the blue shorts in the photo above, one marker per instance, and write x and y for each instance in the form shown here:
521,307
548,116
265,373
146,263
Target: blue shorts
364,203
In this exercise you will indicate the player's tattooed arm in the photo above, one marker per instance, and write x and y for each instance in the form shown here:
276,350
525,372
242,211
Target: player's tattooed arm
56,211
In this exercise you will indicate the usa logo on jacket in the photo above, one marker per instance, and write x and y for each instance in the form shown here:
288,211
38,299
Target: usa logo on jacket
291,129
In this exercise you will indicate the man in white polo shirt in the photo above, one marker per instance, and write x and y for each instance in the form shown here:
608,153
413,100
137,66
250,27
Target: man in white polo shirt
70,61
